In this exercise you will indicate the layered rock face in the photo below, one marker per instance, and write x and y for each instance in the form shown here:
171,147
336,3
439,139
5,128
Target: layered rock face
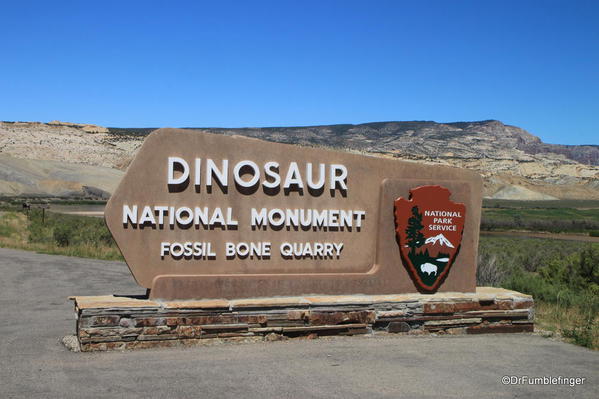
65,142
514,163
61,160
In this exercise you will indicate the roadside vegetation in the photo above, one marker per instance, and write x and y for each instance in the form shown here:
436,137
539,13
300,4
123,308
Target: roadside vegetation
54,233
562,276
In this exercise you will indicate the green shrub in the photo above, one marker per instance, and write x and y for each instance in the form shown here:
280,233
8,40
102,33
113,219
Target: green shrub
583,335
6,229
38,231
62,235
579,271
528,254
587,333
68,230
562,273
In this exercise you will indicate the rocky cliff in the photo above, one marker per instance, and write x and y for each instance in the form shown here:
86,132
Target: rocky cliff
514,163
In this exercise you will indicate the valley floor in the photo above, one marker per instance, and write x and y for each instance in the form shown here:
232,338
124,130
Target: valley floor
533,234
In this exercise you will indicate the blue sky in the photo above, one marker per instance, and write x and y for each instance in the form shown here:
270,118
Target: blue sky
534,64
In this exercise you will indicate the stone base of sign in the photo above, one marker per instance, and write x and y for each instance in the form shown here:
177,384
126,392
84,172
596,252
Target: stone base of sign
113,323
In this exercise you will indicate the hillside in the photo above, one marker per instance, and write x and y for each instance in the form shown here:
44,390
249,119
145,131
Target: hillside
514,163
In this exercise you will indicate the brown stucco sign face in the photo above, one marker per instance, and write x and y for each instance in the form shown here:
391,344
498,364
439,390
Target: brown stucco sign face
429,232
209,216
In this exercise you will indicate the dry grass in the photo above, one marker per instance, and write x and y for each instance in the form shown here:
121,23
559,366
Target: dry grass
570,322
13,230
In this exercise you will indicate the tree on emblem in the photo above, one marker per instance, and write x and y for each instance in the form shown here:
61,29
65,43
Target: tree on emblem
415,238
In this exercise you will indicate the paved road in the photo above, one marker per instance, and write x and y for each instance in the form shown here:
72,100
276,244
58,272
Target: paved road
35,314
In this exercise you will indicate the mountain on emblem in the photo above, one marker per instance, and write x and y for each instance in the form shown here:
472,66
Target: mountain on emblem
439,239
429,230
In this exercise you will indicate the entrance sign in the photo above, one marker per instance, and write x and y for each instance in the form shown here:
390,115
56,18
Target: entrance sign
201,216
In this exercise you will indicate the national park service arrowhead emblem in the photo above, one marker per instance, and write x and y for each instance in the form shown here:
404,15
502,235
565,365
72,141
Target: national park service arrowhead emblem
429,231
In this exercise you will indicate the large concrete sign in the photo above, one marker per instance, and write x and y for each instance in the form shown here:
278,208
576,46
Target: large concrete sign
201,216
